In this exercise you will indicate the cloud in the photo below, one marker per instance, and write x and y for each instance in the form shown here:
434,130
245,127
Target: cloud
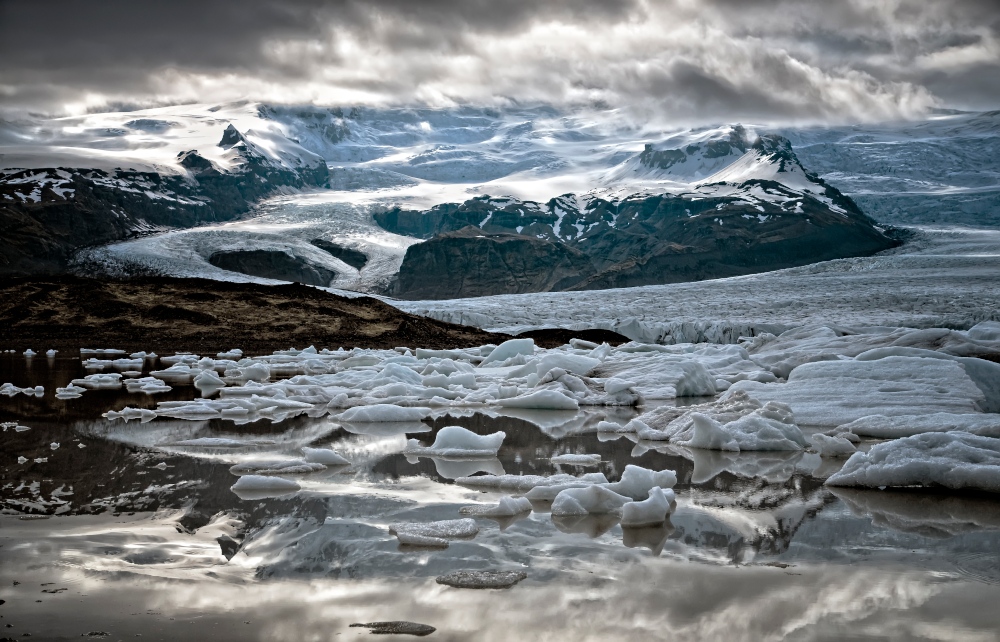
666,60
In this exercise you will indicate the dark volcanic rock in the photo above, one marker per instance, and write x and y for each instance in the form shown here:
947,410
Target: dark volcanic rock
273,264
167,314
350,256
471,263
397,628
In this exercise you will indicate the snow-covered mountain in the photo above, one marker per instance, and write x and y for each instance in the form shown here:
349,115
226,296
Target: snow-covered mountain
567,173
759,211
70,183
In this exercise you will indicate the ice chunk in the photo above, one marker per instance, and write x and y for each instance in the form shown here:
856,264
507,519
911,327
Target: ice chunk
22,460
636,481
208,383
541,400
54,445
832,446
648,512
519,483
260,486
576,460
276,467
383,413
508,507
882,427
70,392
324,456
589,500
615,385
574,363
985,331
954,460
455,441
832,393
482,579
767,428
213,442
434,534
509,349
696,381
29,353
51,353
548,492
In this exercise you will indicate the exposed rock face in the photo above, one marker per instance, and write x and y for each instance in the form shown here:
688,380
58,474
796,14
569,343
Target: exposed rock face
764,212
273,264
48,214
468,263
350,256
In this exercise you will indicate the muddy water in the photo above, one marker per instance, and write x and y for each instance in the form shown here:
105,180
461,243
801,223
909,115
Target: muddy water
122,531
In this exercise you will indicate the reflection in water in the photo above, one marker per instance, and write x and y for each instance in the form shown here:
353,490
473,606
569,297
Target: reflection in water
144,506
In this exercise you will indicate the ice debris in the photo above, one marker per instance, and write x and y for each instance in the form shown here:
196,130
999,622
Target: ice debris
10,390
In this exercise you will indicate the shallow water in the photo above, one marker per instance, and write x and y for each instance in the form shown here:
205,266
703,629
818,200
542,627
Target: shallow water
147,537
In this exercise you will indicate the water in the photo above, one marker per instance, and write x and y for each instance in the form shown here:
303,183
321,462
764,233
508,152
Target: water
147,537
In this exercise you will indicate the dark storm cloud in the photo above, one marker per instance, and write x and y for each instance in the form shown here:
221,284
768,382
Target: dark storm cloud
667,59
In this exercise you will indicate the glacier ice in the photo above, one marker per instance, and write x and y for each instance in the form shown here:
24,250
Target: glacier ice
954,460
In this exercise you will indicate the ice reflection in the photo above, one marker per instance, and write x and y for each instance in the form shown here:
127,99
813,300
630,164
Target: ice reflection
731,510
654,600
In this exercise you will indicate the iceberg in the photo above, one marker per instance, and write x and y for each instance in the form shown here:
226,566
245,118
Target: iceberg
651,511
455,441
383,413
589,500
954,460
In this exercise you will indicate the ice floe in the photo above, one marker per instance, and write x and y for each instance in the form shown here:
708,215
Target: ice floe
507,507
954,460
262,486
883,427
576,460
434,534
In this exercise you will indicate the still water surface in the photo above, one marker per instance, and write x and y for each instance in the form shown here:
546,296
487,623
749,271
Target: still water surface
119,532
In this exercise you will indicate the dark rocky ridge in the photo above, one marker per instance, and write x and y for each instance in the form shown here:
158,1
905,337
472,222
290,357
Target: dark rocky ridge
273,264
169,314
75,208
469,262
350,256
756,226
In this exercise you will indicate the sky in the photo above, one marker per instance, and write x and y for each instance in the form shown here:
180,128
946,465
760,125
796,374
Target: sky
679,61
